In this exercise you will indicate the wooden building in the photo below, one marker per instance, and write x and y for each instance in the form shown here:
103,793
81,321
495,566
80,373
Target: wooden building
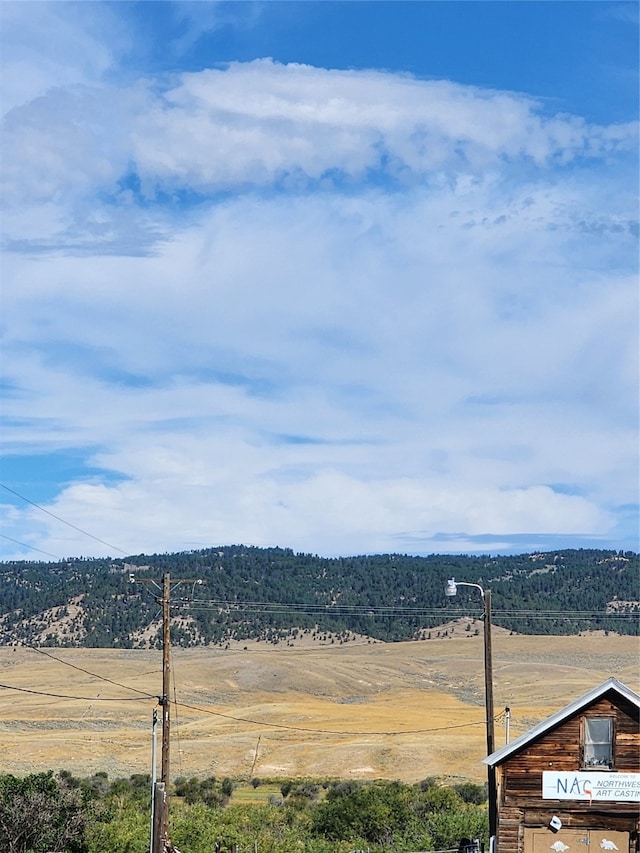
571,784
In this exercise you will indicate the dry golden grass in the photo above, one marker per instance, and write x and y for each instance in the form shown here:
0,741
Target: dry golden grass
359,710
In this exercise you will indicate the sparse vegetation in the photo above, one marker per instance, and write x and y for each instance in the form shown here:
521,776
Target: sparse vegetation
431,690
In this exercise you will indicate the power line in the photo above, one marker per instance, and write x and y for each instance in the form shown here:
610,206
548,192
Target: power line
30,547
92,674
324,731
284,726
62,521
177,727
82,698
285,608
216,603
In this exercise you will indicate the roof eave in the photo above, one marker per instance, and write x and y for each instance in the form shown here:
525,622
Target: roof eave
565,713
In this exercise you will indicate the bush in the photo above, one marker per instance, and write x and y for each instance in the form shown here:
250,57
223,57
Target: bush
471,793
429,782
205,791
354,815
374,813
302,795
227,787
37,814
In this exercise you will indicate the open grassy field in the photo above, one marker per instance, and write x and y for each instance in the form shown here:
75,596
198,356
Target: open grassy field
359,710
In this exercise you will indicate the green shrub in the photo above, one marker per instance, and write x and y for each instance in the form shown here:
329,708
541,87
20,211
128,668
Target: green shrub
471,793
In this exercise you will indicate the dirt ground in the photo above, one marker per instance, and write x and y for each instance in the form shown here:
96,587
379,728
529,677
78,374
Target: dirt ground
358,710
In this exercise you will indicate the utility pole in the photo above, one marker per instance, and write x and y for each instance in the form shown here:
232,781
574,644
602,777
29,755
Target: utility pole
488,698
160,790
166,677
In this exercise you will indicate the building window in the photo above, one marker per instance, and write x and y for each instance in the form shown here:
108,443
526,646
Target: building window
597,742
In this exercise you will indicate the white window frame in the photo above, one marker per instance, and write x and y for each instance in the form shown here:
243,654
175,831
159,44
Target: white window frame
594,743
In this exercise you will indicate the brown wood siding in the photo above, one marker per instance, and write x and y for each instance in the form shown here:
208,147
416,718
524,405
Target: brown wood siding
519,778
510,831
627,745
580,820
560,749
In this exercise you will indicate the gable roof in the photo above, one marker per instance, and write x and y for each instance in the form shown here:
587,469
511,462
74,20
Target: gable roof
610,685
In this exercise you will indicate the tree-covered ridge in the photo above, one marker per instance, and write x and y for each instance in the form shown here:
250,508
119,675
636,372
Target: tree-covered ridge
275,594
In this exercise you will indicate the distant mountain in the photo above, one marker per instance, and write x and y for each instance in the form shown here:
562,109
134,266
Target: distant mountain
275,595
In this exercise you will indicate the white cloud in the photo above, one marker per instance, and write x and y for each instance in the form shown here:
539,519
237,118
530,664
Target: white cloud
332,366
399,453
259,124
223,489
48,45
196,19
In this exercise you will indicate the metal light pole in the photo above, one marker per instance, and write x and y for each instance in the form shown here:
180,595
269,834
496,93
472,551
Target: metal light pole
450,590
154,765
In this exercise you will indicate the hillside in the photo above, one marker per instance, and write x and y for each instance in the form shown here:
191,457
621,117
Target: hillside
358,710
238,593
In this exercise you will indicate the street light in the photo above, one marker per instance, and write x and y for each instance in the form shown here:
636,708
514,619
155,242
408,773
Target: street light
450,590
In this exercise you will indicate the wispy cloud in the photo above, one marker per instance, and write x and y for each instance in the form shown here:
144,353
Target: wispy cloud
51,45
334,310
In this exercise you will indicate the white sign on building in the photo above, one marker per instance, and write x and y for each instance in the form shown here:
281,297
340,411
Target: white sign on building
614,787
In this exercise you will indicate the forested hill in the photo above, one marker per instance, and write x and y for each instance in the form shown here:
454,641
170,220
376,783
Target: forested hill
273,594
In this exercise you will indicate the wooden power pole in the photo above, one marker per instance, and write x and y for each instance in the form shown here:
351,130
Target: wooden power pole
161,793
166,677
160,828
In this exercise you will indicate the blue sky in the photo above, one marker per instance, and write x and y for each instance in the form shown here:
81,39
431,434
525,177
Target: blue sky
341,277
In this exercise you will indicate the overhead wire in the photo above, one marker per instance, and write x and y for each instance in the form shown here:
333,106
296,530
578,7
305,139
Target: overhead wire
62,520
82,698
327,731
175,702
285,608
239,719
145,696
214,603
281,608
30,547
92,674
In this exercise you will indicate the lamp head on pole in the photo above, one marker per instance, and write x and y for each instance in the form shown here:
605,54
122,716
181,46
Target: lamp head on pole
451,588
